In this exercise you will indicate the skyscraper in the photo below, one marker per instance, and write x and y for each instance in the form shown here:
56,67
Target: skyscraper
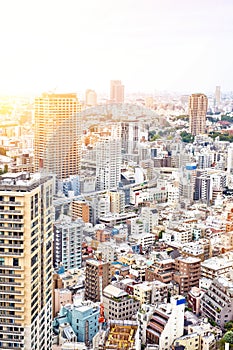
198,104
218,95
57,144
26,261
91,98
116,91
108,163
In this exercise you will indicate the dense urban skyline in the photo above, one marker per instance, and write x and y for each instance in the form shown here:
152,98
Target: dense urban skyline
152,45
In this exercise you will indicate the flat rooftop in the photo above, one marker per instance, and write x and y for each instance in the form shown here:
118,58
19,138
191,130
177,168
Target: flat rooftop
21,182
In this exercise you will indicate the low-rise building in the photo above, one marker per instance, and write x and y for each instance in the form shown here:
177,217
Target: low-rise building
118,305
142,292
217,302
83,319
194,300
167,323
216,266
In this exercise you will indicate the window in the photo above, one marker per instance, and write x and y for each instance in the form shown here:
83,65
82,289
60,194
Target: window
15,262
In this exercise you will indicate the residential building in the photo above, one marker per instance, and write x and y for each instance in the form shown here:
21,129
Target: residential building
91,98
187,273
217,302
57,143
159,292
142,292
198,104
68,243
80,209
194,300
217,266
61,298
108,163
83,319
117,201
116,91
118,305
98,276
167,323
25,261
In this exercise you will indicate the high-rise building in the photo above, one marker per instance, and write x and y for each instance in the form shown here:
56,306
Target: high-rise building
108,163
57,144
218,95
26,261
98,276
68,243
198,104
117,91
91,98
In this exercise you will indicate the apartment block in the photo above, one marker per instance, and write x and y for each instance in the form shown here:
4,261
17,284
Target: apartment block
80,209
167,323
83,319
68,243
98,276
26,261
118,305
57,143
187,273
217,302
217,266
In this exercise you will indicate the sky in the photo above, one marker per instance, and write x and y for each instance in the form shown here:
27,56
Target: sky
150,45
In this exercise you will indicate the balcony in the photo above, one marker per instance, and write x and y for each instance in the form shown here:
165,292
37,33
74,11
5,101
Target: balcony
3,283
9,275
11,254
10,203
5,316
11,300
12,245
11,220
9,228
11,267
3,211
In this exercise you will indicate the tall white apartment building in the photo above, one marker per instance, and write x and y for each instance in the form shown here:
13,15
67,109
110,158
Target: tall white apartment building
108,163
167,323
68,243
26,261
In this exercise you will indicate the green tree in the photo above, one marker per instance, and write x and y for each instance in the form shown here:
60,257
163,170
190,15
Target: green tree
186,137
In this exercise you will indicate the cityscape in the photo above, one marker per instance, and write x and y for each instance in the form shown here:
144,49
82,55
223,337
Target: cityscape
116,176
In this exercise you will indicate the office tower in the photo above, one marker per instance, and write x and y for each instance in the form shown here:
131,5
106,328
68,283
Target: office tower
98,276
198,104
218,95
26,261
68,243
108,163
91,98
116,91
57,144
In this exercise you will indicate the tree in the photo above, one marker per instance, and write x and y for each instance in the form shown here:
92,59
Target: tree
186,137
229,326
228,337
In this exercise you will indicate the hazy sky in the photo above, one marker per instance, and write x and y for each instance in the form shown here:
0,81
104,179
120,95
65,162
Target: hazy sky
179,45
